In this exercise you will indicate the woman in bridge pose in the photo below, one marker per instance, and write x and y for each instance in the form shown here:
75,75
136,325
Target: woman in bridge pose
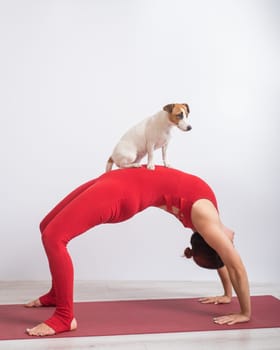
117,196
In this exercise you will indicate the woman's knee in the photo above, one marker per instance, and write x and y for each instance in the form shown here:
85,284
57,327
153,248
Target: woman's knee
48,239
52,239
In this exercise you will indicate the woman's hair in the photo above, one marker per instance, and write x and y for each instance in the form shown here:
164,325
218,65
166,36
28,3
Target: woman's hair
203,255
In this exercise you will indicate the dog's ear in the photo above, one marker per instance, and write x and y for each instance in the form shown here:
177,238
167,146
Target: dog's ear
187,107
168,108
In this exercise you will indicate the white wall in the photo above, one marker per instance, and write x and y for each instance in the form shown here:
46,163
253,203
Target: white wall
76,74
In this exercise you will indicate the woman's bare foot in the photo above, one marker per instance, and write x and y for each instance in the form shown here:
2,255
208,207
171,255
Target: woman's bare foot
34,303
40,330
43,329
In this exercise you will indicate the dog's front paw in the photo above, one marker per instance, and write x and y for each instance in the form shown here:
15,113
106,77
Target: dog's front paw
151,166
166,164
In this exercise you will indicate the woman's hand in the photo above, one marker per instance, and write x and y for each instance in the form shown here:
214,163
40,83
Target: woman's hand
231,319
223,299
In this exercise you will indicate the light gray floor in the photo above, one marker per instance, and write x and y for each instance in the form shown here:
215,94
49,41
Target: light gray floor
258,339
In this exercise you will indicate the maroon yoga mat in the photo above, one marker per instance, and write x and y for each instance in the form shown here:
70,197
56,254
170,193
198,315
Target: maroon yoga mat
140,317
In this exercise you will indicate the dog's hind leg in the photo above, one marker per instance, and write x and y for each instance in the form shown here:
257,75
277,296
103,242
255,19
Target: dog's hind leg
124,164
132,165
130,160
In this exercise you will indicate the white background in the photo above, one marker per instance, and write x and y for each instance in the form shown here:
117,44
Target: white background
76,74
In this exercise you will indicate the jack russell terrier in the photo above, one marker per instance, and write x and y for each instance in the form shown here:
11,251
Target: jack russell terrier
150,134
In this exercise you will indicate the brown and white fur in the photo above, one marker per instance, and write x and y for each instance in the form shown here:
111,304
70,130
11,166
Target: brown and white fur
150,134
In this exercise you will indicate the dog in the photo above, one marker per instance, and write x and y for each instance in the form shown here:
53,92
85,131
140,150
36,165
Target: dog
150,134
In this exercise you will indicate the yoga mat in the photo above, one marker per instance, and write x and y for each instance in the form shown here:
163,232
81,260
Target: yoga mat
140,317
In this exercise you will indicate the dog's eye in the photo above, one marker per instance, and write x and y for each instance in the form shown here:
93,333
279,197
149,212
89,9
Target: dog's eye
180,116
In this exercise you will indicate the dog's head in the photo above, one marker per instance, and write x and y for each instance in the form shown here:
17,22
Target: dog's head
178,115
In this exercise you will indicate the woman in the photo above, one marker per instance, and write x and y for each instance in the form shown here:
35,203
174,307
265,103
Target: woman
117,196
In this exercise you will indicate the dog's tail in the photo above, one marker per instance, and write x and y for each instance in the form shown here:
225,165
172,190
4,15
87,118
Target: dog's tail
109,164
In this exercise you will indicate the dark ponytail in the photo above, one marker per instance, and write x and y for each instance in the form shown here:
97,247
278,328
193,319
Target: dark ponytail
203,255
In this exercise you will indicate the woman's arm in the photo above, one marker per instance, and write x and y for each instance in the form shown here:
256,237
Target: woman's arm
237,274
206,221
227,286
239,280
225,279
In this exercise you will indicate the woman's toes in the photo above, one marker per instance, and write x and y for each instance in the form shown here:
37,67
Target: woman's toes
34,303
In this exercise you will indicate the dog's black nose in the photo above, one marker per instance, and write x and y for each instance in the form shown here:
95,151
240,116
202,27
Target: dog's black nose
189,128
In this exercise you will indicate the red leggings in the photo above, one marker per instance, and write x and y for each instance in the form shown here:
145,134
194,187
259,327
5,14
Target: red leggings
71,217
